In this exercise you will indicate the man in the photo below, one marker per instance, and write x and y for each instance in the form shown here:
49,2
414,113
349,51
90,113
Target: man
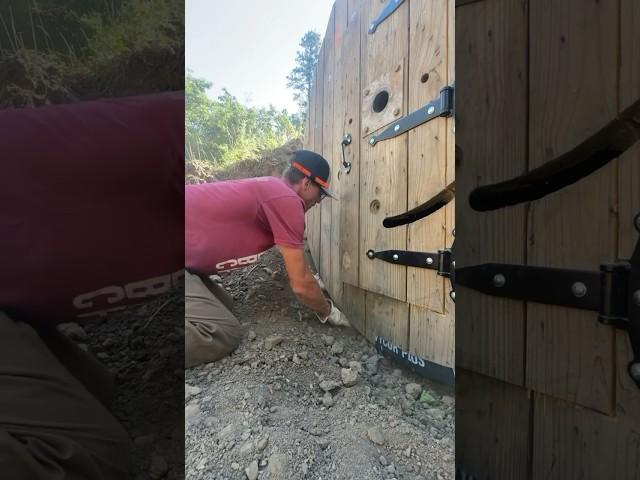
91,215
228,225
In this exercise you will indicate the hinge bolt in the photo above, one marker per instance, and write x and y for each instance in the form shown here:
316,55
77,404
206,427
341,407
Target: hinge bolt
431,109
372,141
579,289
636,297
452,295
395,256
499,280
429,261
396,128
453,264
634,371
370,254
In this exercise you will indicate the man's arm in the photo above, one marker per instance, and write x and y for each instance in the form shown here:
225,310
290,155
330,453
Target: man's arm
304,286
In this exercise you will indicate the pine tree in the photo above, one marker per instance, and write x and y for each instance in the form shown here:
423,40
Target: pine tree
301,77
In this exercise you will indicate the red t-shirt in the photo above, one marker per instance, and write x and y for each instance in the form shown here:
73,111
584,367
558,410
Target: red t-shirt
91,205
229,224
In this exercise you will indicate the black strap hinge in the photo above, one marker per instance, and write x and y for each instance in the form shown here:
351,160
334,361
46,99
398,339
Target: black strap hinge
442,262
443,106
388,9
613,292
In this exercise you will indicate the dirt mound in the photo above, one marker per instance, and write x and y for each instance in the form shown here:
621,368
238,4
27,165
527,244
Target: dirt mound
270,163
299,399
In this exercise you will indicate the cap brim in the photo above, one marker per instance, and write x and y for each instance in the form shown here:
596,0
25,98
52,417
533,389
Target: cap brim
329,193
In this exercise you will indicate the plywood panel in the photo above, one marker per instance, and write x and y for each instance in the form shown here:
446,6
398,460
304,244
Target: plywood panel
427,144
491,105
492,421
574,442
572,95
432,335
388,318
350,123
383,171
627,394
326,207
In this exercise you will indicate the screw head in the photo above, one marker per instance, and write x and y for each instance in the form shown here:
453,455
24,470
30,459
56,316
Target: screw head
429,261
634,371
370,254
396,128
452,294
431,109
372,141
579,289
366,92
372,28
499,280
396,112
395,256
398,67
636,297
453,264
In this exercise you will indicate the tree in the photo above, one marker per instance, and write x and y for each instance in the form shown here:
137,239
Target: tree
301,77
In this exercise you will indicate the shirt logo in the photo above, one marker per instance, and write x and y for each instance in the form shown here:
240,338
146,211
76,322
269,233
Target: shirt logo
235,263
117,294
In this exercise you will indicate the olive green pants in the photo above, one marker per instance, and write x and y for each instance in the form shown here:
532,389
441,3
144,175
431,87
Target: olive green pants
51,426
211,331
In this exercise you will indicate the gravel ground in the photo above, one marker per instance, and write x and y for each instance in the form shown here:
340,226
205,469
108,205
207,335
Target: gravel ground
144,348
299,399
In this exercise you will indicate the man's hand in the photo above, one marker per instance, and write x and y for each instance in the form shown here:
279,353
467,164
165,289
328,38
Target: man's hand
335,318
302,282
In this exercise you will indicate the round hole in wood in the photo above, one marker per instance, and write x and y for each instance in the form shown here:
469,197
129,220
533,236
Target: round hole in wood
380,101
350,120
424,77
374,206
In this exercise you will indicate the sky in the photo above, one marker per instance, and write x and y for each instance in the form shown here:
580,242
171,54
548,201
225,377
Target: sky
249,46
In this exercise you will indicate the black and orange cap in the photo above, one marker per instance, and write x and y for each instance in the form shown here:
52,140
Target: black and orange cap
314,167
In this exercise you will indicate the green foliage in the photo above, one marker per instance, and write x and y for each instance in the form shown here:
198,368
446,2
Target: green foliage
137,26
82,49
427,398
301,77
223,131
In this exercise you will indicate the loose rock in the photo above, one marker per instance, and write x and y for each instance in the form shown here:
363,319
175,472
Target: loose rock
278,466
349,377
375,435
413,390
252,470
272,340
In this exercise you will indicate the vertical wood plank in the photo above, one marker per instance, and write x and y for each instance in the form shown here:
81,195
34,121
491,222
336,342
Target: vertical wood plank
627,394
318,142
388,318
491,112
427,144
335,156
326,207
432,335
574,442
572,95
492,421
313,215
353,306
383,171
350,122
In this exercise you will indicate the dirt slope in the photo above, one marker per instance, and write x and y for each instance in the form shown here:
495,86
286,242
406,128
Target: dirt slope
279,407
